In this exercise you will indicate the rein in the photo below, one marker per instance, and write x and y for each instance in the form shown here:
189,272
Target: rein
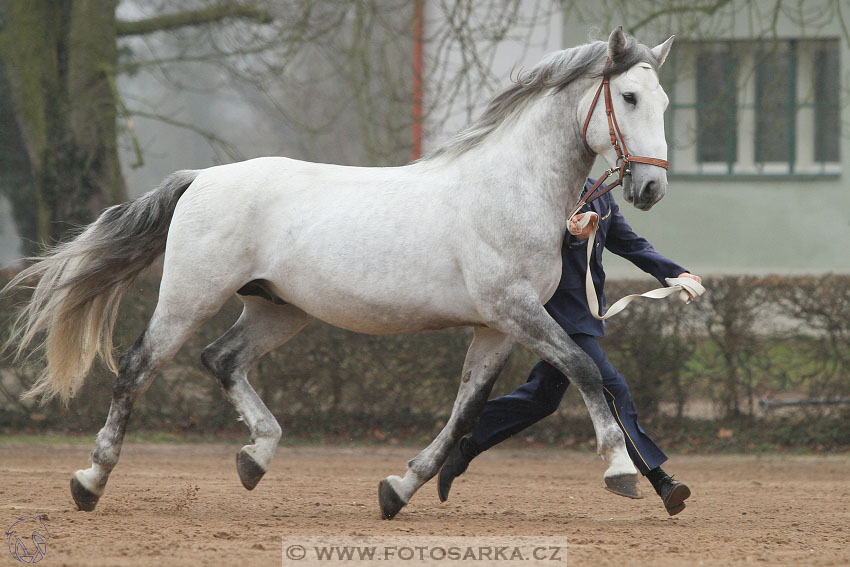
684,287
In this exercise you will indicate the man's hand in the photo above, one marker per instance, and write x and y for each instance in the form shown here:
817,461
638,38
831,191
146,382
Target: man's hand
584,233
693,277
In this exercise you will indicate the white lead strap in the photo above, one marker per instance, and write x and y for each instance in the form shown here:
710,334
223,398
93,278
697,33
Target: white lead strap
684,287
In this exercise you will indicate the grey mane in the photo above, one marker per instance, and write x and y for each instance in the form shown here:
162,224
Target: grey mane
552,74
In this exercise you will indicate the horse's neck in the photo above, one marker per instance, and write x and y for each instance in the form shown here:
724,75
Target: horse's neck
539,154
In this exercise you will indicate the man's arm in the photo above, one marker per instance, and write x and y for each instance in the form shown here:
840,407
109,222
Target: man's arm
623,241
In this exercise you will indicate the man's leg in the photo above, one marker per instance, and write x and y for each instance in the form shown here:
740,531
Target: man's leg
505,416
540,396
645,454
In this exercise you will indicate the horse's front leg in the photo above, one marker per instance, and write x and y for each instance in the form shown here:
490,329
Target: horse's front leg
524,318
487,355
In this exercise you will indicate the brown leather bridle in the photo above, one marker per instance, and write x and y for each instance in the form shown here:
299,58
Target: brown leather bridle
624,158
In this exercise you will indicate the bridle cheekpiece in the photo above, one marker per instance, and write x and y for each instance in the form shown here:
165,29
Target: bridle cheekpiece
624,158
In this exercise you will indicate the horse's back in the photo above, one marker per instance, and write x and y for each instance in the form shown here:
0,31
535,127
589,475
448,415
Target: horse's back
369,249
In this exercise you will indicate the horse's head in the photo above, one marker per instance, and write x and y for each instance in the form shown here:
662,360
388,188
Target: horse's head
638,104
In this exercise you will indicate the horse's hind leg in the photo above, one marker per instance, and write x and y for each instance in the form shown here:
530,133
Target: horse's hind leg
488,353
262,327
175,318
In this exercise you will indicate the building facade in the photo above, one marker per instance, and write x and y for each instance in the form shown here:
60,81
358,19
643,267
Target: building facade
757,130
757,133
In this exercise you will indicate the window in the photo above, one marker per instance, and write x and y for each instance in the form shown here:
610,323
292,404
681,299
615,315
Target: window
716,105
754,107
827,86
774,104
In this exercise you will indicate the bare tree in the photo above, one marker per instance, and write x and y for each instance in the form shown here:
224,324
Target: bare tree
58,62
331,69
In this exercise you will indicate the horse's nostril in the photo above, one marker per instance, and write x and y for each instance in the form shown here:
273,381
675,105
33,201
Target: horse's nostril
647,191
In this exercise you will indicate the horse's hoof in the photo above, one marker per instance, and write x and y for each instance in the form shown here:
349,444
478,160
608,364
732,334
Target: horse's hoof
391,503
250,472
624,485
83,497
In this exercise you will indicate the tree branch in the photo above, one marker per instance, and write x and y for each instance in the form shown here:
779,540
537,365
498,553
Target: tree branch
707,9
211,14
217,143
125,114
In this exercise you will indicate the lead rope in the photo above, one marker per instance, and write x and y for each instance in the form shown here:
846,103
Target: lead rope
680,286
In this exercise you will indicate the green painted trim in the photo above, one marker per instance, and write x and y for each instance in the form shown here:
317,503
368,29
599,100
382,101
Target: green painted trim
754,177
792,106
672,115
732,109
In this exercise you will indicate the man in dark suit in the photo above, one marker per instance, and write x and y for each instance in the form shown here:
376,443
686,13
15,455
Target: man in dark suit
542,393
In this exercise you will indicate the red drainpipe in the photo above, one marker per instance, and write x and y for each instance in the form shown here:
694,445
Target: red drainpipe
416,106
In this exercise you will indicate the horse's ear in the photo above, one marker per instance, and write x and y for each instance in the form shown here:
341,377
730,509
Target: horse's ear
660,51
616,43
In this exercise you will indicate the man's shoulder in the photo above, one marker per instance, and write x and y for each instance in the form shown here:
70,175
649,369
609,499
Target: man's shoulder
609,198
607,202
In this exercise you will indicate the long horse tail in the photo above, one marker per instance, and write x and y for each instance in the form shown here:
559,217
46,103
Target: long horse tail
74,305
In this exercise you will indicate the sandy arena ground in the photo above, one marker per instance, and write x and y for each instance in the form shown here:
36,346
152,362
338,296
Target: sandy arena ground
183,505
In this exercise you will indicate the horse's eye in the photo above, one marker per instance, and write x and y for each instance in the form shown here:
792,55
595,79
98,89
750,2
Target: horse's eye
630,98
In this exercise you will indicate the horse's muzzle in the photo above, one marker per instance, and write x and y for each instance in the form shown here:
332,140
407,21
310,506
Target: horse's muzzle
650,192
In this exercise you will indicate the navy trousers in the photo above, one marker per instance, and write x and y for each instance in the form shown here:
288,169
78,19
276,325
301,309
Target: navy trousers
542,394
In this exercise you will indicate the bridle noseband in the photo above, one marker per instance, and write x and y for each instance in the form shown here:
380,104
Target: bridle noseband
624,158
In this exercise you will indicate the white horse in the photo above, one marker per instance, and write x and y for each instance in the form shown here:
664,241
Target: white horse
468,236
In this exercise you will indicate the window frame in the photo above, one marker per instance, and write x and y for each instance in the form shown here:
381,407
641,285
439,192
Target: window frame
682,119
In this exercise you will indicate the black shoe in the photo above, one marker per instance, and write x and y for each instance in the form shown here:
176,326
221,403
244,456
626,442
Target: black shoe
455,465
673,494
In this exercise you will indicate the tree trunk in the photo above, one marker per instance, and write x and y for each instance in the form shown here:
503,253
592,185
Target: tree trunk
58,58
91,79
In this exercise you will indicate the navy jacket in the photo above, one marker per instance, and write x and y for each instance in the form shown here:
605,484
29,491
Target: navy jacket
569,303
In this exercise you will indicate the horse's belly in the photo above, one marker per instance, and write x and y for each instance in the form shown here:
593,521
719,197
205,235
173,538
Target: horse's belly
379,303
366,314
380,322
